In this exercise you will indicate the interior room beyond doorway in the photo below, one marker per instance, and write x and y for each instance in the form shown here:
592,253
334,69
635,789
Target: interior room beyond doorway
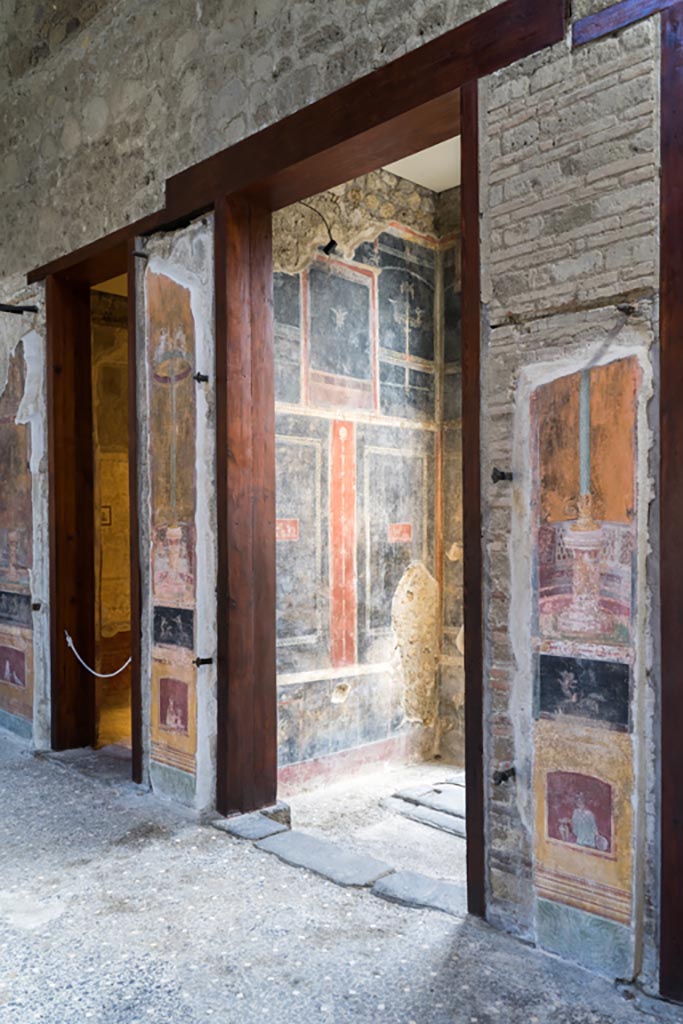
109,332
370,634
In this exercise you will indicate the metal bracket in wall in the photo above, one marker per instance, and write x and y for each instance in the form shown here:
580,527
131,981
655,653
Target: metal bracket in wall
500,474
201,378
203,661
4,308
504,775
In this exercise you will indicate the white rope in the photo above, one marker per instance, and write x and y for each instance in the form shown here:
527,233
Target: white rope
100,675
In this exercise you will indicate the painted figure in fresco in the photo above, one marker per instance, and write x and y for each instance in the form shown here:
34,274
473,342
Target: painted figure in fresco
174,716
575,702
584,826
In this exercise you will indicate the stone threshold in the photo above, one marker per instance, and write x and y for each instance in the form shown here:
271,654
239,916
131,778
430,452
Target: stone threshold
345,867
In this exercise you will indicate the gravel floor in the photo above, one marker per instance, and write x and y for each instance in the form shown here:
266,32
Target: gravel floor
118,909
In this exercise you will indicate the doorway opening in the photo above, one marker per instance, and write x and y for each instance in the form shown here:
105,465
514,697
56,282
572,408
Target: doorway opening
111,512
369,525
94,582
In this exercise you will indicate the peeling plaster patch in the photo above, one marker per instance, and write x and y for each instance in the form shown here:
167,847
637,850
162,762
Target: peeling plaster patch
414,618
186,258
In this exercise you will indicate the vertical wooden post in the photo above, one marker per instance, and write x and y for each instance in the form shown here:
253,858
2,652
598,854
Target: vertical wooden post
135,583
245,414
472,526
72,574
671,503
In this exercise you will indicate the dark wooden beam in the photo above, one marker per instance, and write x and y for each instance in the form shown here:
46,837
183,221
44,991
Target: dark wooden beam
471,489
135,583
399,137
357,115
671,503
72,571
245,415
609,21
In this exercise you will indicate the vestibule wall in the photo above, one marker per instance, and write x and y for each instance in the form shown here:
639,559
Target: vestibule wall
367,390
570,153
177,481
24,681
569,171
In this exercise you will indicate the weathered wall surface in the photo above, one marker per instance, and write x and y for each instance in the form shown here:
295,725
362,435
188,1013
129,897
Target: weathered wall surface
366,445
570,202
100,101
24,704
178,514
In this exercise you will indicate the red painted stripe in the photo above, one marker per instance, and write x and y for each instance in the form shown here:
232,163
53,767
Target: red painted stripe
343,544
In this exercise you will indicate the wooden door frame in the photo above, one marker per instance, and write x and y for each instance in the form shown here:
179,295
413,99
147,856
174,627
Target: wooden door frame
71,500
403,107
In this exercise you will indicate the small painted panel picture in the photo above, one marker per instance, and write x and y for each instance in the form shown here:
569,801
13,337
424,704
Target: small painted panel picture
174,626
579,809
12,666
584,688
173,705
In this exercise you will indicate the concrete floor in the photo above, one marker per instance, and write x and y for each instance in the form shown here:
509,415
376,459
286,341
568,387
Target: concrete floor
118,909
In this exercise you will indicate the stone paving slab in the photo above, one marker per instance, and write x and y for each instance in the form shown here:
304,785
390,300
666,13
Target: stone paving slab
415,890
426,816
344,867
252,826
449,799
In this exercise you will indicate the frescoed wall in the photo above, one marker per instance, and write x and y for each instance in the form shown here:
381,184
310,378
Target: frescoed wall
367,460
179,611
584,506
171,364
16,553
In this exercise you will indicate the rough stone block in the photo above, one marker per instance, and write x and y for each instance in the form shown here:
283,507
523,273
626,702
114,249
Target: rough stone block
416,890
343,867
253,826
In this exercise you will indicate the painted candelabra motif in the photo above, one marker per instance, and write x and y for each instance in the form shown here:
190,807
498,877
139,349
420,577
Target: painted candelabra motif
171,348
584,505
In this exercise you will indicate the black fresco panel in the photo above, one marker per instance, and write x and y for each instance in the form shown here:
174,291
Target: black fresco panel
287,299
174,626
583,688
15,609
339,325
406,312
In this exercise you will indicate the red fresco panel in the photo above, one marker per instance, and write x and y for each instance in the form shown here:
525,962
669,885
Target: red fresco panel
343,544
